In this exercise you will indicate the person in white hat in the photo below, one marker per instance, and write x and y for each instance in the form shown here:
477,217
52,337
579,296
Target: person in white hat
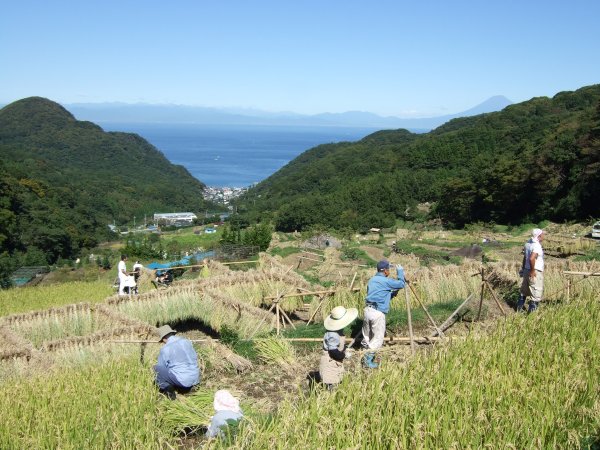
177,369
331,367
227,412
532,271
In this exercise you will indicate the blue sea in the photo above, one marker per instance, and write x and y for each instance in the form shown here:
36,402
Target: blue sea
235,156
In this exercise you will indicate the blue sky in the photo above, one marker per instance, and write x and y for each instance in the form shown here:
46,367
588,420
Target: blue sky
402,58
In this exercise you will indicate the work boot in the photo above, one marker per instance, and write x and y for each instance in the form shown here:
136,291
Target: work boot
532,306
368,361
521,303
169,392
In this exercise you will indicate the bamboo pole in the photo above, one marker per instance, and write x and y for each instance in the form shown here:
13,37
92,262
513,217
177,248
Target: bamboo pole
285,316
481,295
392,340
585,274
495,298
262,321
277,314
238,262
440,332
310,259
353,278
317,293
410,329
444,326
315,254
322,296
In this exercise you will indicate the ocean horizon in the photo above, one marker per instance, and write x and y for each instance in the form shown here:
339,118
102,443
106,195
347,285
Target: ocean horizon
235,155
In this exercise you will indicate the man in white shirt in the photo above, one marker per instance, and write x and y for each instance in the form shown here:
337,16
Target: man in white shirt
125,280
533,271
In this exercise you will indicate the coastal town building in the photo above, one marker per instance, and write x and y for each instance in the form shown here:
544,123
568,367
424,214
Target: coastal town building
174,218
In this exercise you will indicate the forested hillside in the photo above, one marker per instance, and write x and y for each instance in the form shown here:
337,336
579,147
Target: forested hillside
536,160
63,181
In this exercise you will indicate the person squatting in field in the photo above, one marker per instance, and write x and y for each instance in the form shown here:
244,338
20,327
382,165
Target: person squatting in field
177,369
532,271
227,414
331,367
380,291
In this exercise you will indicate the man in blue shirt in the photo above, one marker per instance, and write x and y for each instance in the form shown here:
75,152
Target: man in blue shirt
380,291
177,369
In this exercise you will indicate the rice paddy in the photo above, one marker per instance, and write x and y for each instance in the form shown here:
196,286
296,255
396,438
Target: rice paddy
72,380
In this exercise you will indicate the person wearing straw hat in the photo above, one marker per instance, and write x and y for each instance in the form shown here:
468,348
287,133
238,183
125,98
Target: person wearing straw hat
532,271
380,291
331,367
227,413
177,369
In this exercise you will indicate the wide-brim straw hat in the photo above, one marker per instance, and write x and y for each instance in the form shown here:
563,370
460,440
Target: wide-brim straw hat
163,331
339,318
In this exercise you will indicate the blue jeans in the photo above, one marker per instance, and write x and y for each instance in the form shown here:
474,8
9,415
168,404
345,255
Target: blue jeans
165,380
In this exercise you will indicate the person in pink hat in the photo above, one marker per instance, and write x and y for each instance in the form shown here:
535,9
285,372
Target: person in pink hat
227,412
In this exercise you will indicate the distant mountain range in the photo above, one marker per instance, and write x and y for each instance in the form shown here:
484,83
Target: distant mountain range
148,113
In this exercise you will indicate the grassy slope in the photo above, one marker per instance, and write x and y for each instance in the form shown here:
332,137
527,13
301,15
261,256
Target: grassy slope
533,383
42,297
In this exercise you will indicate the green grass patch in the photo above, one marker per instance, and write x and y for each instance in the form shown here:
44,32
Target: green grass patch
285,251
427,256
18,300
187,238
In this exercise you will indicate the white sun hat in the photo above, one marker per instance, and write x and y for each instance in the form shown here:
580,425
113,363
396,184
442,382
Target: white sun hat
339,318
224,401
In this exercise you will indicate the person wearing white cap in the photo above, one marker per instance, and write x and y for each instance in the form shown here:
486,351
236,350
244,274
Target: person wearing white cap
331,367
533,271
227,412
177,369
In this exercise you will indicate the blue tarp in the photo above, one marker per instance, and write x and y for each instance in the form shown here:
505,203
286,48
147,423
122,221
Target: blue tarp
182,262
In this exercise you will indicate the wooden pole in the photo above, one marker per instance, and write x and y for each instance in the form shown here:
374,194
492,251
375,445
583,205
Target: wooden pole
585,274
315,254
353,278
392,339
481,295
495,298
410,329
238,262
447,322
568,289
285,316
262,321
277,314
323,296
310,259
440,332
302,294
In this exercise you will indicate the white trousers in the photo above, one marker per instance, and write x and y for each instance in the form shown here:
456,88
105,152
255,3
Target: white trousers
373,329
533,288
125,281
